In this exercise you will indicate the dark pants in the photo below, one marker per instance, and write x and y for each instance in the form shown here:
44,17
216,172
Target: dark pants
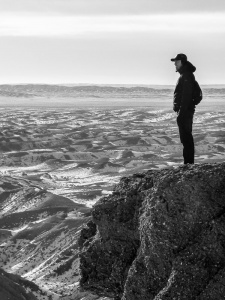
186,138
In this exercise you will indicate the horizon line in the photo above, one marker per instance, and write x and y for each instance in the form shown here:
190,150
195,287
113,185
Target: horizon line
105,84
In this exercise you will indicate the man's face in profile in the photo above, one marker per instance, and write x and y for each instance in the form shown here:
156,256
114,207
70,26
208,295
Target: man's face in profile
178,64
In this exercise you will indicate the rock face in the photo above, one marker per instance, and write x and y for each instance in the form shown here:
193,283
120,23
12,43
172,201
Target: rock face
160,235
14,287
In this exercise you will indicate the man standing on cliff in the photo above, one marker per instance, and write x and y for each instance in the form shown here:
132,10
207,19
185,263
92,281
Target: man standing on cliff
183,104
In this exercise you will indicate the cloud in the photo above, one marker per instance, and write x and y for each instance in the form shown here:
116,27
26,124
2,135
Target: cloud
112,7
56,25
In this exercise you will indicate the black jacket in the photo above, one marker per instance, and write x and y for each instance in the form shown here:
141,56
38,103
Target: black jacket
183,93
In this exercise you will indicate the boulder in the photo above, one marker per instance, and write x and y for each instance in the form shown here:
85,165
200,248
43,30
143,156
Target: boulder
160,235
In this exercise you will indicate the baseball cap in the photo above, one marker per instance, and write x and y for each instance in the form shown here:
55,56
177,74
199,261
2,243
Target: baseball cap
180,56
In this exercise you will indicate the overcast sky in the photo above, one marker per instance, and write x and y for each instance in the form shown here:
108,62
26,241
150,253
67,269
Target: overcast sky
110,41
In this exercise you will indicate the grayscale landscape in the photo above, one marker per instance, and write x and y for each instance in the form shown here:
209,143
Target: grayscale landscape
63,147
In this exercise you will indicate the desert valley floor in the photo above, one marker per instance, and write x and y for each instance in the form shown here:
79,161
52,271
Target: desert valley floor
56,162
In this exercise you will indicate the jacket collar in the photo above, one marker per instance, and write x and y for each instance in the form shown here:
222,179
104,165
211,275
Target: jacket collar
182,70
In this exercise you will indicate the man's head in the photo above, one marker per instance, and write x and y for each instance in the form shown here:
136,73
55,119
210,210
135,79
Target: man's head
179,60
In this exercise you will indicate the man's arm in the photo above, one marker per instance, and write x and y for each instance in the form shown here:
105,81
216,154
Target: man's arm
187,92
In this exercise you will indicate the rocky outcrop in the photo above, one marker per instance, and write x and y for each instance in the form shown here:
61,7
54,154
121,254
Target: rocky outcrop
160,235
14,287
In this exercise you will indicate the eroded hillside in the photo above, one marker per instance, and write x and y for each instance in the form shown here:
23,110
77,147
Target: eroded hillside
39,241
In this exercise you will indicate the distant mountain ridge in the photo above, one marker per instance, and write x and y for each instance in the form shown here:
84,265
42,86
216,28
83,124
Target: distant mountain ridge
40,90
99,91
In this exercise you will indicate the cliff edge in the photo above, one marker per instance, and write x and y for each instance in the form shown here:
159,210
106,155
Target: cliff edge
160,235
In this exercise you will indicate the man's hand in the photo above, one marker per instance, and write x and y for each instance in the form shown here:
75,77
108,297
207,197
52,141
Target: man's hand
180,116
175,108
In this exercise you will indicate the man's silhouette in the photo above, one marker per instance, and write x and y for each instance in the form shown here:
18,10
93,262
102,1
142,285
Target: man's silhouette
183,104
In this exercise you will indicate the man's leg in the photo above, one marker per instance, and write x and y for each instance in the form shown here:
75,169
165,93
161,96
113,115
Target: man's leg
186,138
